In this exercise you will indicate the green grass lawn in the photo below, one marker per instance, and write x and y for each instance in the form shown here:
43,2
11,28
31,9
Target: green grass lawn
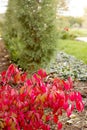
75,48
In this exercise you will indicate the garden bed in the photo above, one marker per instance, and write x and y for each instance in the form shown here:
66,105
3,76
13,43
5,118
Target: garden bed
63,66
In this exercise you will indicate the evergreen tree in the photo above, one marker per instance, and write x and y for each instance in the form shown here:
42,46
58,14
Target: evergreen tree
10,31
34,32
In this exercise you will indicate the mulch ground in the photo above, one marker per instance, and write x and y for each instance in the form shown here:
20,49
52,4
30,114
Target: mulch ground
4,57
78,121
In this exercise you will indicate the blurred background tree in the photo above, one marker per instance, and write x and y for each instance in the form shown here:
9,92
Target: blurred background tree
62,6
85,18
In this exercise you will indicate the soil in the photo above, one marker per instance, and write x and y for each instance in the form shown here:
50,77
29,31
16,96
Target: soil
78,121
4,57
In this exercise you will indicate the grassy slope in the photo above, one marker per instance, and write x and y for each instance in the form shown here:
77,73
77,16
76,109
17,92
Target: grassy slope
75,48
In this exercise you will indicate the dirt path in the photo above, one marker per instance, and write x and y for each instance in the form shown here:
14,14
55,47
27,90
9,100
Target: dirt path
84,39
4,57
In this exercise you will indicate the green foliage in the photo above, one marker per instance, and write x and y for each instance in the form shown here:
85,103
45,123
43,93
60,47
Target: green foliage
30,31
67,34
1,22
66,66
70,21
75,20
10,31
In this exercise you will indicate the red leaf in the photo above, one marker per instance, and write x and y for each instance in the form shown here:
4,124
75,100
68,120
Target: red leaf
3,73
66,105
42,73
36,78
69,110
72,96
55,118
11,70
13,92
23,77
78,96
66,85
79,105
17,77
59,126
48,117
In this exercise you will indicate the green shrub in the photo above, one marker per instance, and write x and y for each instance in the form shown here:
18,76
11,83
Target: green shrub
67,35
32,30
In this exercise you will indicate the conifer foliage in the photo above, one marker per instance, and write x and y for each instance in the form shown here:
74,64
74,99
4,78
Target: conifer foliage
30,32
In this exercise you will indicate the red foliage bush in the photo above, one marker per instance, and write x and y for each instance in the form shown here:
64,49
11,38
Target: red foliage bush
24,101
